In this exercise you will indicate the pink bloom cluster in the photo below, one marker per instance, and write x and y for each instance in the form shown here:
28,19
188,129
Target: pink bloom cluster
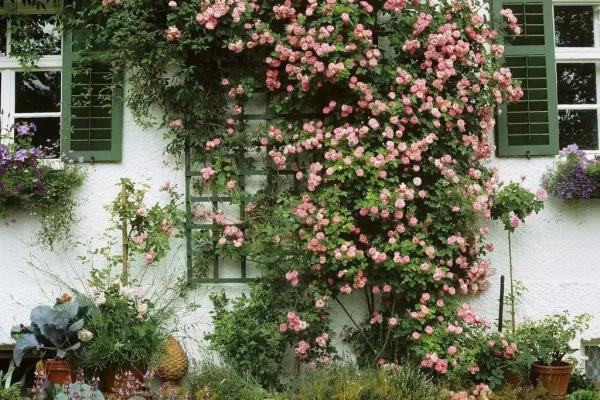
512,21
503,348
480,392
440,365
173,34
294,323
213,11
388,169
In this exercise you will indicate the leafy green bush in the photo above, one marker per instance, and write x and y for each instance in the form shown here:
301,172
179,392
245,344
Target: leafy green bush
549,338
513,203
345,382
8,390
579,381
208,380
584,395
245,338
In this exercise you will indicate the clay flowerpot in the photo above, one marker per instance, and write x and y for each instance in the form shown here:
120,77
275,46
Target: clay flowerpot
555,378
110,375
58,372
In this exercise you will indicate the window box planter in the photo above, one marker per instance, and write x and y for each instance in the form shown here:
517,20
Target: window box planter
33,181
575,175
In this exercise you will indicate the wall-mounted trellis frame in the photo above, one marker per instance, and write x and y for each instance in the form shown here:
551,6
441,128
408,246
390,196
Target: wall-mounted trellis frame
214,276
215,273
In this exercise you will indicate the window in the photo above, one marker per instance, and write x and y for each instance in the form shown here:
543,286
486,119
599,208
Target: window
32,94
577,55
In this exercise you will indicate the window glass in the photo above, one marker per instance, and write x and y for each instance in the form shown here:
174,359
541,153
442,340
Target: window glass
576,83
3,28
37,92
46,135
579,127
574,26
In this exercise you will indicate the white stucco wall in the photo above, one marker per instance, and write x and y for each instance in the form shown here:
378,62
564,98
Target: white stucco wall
556,253
21,284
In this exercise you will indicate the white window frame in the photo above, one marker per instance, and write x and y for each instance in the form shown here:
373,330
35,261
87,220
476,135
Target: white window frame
579,55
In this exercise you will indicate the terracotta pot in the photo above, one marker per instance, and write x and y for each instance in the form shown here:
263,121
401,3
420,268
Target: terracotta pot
58,372
109,376
555,378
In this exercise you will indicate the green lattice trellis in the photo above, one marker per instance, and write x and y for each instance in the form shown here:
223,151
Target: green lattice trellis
214,275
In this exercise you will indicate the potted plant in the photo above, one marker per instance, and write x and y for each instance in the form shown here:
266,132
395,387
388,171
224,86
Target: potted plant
549,341
129,330
53,332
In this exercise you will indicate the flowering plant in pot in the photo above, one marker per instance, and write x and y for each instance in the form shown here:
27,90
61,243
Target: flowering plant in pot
53,333
574,175
129,330
549,342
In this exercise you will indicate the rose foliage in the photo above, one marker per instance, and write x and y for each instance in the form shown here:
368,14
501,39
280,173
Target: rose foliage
383,113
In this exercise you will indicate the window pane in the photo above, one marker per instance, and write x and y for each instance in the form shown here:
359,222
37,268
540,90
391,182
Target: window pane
35,34
47,134
37,92
574,26
2,35
579,127
576,83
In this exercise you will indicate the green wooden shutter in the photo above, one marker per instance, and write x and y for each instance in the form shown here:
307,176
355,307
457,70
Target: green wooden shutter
92,107
530,126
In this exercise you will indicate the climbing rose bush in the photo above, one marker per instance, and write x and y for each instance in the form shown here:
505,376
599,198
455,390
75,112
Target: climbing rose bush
395,186
384,112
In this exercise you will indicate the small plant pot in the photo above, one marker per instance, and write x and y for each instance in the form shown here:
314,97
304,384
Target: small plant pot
555,378
58,372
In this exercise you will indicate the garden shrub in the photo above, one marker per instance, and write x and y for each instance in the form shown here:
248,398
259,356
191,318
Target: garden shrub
247,334
387,149
346,382
522,393
584,394
580,381
209,381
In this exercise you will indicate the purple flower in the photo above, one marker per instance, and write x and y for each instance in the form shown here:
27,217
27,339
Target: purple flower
40,187
577,185
572,149
23,130
20,155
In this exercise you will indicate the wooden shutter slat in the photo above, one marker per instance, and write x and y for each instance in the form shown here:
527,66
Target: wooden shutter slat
92,108
530,126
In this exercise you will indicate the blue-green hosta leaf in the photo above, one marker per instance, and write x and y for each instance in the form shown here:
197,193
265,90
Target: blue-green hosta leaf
70,309
75,326
47,316
24,344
